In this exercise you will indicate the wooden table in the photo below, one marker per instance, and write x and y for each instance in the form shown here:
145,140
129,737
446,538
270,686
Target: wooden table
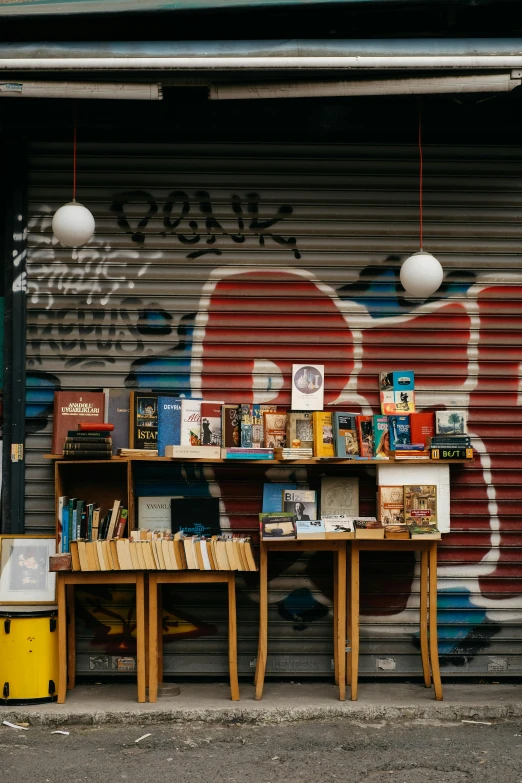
428,606
338,547
157,578
66,581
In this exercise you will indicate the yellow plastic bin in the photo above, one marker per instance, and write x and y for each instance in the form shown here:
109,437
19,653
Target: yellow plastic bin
28,655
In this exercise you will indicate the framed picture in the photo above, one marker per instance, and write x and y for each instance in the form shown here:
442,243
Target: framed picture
24,570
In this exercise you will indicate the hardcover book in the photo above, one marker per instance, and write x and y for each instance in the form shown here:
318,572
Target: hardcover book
169,422
154,513
365,436
381,437
143,420
452,453
390,505
195,516
339,526
345,434
300,502
420,504
422,427
299,430
70,408
397,391
399,429
307,387
230,425
258,426
273,497
323,434
275,430
190,422
368,527
451,422
311,529
277,526
210,423
246,425
419,532
339,495
117,412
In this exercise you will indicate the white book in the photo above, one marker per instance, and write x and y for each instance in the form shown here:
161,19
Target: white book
204,554
339,526
190,422
154,513
307,387
339,495
310,529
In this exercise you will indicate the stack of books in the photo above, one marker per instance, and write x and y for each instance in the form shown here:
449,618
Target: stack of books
295,453
89,441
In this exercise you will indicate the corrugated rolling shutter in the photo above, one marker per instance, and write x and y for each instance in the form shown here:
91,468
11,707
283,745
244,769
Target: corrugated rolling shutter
213,268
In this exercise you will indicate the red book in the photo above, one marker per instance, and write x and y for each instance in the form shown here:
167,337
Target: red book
71,408
365,435
87,426
422,427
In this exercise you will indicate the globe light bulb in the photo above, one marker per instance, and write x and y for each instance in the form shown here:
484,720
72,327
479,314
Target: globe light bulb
421,274
73,224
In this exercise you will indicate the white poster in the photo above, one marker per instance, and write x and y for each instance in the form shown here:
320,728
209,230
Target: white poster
307,387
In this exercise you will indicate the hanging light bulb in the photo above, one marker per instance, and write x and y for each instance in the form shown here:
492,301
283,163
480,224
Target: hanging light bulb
73,224
421,273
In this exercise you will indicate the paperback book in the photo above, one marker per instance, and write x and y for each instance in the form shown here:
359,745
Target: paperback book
323,434
246,425
143,432
339,526
381,437
309,530
117,412
307,387
451,422
277,526
420,504
230,425
339,496
422,428
299,430
368,527
399,429
258,428
365,436
300,502
190,422
273,497
275,430
397,391
390,505
169,423
211,423
195,516
344,427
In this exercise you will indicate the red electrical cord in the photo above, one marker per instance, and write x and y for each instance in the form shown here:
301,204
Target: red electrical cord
420,177
74,162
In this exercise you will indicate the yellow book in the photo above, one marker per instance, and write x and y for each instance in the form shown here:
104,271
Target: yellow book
75,560
140,555
238,549
231,554
92,561
249,552
114,554
124,558
101,557
167,551
150,563
180,554
157,544
82,554
133,550
323,434
108,555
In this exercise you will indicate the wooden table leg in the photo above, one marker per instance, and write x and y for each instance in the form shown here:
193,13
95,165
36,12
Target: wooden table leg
341,618
62,637
423,618
160,634
354,616
263,623
140,637
153,638
434,649
71,637
335,617
348,621
232,637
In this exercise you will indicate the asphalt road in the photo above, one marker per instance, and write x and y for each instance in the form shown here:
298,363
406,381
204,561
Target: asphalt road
311,752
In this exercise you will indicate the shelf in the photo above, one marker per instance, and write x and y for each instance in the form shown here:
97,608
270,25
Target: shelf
312,461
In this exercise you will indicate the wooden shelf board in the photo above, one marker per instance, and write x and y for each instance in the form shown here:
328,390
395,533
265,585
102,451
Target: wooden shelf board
313,461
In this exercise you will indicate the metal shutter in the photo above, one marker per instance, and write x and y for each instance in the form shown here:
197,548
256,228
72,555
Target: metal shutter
213,268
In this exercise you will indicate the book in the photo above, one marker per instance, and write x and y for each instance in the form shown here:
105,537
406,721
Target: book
396,391
70,408
81,436
190,422
277,526
195,515
193,452
396,532
399,429
169,422
451,422
390,505
368,528
451,453
307,387
413,454
339,526
154,513
447,442
87,454
365,436
381,437
122,523
323,434
143,424
137,452
299,430
62,527
275,430
409,447
339,495
345,434
273,497
230,425
422,426
90,426
246,425
91,445
266,454
211,423
114,519
300,502
293,454
311,529
258,427
420,504
426,532
117,411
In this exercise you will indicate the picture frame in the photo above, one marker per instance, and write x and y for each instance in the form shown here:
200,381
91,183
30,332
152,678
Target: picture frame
24,569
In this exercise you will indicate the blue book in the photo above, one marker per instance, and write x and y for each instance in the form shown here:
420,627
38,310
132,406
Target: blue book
273,497
399,429
65,528
269,456
169,423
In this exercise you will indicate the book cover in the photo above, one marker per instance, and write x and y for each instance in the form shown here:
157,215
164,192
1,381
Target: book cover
143,432
302,503
396,391
399,429
299,430
190,422
246,425
195,516
273,497
396,532
258,428
419,532
381,437
275,430
420,504
154,513
390,505
323,434
230,425
169,422
339,526
451,422
345,434
210,423
307,387
422,427
277,526
310,529
70,408
368,527
117,412
439,453
339,495
365,436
